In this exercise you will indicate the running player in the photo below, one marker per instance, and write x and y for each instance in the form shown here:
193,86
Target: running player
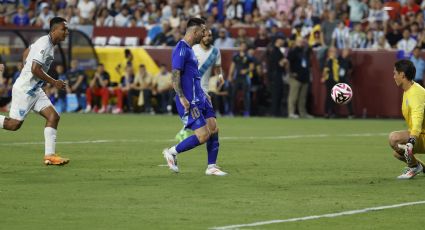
192,104
27,93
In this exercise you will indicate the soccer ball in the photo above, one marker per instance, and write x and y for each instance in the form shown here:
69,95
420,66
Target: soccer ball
341,93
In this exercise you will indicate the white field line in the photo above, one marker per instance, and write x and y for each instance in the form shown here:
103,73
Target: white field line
221,138
330,215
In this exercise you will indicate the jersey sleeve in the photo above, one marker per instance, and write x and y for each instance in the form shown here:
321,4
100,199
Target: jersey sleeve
39,50
417,105
178,57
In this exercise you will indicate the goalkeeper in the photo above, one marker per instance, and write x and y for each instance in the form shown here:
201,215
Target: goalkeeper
408,142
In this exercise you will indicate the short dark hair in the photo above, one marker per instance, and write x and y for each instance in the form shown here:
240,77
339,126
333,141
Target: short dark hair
405,66
55,21
195,22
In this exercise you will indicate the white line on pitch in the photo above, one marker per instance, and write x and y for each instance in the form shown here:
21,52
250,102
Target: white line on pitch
222,138
330,215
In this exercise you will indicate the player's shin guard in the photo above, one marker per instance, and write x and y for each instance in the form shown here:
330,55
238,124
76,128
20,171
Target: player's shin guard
2,121
50,140
212,148
187,144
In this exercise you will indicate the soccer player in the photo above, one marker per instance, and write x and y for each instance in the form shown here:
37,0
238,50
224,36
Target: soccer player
192,103
27,93
408,142
209,60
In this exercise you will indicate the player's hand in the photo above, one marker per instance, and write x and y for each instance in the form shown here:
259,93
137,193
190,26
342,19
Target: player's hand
220,80
408,151
185,103
59,84
1,68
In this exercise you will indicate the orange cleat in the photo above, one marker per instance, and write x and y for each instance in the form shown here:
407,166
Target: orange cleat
55,159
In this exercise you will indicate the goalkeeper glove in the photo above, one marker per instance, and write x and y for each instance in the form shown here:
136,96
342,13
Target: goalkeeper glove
408,149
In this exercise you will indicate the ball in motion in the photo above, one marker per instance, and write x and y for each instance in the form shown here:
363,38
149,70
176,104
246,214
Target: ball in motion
341,93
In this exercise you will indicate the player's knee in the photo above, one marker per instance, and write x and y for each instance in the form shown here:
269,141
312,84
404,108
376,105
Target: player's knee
202,138
53,118
393,138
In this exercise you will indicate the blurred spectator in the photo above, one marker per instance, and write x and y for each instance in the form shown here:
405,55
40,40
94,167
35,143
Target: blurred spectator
393,7
242,38
370,40
261,40
266,7
239,78
285,7
104,19
382,44
357,37
234,10
175,18
98,86
142,87
5,88
60,95
16,74
414,31
125,86
394,35
216,8
377,13
123,18
341,36
358,11
191,10
408,10
45,15
163,90
330,77
345,70
87,9
248,6
223,41
127,61
77,82
328,27
21,18
407,44
165,36
276,64
419,63
72,17
299,78
153,29
256,17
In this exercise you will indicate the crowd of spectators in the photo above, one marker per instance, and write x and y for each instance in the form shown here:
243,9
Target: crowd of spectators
313,24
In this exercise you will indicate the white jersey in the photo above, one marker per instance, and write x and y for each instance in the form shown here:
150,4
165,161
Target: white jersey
42,52
202,56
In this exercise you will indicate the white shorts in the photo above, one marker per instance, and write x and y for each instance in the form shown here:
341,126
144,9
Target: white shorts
22,103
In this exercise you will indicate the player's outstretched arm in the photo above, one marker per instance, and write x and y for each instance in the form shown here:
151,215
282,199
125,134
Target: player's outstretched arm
38,71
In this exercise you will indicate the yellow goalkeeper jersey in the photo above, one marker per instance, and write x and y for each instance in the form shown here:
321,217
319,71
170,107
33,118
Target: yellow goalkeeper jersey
413,107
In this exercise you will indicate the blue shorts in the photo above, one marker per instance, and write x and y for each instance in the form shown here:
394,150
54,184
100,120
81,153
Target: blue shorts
197,115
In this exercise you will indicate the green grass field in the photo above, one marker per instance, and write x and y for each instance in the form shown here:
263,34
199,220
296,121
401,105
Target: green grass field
279,169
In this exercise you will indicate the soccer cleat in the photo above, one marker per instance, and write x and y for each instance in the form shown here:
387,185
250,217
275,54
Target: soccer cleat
55,159
214,170
409,173
171,160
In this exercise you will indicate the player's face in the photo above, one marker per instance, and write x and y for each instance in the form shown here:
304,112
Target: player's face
207,39
398,77
61,31
199,33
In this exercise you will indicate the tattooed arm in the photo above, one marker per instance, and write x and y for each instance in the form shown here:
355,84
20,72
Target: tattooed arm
179,91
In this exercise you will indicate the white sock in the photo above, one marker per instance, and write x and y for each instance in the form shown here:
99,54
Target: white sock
50,140
173,150
211,166
2,121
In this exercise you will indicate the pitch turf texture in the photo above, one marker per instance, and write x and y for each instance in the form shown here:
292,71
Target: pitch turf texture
279,169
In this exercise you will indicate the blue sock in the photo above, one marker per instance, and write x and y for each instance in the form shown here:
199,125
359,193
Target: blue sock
212,148
187,144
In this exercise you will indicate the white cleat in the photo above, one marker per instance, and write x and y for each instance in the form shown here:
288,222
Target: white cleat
214,170
409,173
171,160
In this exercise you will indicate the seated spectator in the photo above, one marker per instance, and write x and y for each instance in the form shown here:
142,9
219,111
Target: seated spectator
104,19
98,86
261,40
243,38
395,35
191,10
123,18
267,6
382,44
44,17
407,44
77,83
357,37
125,86
21,18
175,18
163,90
142,87
234,11
223,41
408,10
87,9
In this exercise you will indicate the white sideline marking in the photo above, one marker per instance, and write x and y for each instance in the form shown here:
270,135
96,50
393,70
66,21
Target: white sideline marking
330,215
222,138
